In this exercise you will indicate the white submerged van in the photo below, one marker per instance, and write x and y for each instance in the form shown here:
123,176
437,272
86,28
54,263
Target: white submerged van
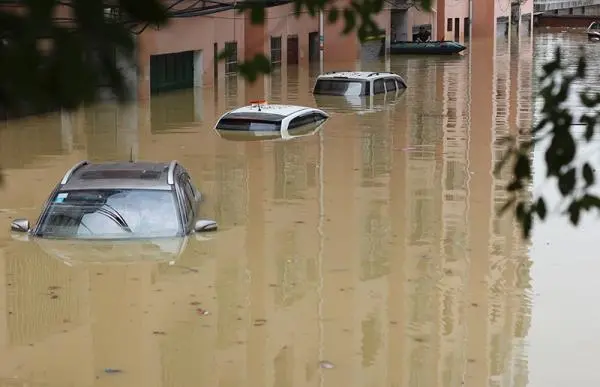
358,83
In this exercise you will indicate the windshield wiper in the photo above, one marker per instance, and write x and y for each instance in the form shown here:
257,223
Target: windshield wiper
115,216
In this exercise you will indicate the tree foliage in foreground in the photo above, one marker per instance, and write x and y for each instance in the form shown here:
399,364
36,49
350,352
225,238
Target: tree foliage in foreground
567,167
49,62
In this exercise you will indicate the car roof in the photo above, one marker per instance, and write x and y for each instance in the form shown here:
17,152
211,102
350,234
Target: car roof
119,175
358,75
267,110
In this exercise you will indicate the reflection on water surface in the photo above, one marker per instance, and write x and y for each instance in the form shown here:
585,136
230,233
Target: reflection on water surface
371,244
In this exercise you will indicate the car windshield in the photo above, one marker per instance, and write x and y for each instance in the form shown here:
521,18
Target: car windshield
253,122
111,214
339,87
248,125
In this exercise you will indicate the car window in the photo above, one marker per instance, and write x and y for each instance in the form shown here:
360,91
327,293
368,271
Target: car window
111,213
399,85
319,117
378,87
302,120
251,125
339,87
189,193
390,84
186,201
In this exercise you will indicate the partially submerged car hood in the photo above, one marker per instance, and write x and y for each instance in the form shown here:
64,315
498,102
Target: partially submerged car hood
113,251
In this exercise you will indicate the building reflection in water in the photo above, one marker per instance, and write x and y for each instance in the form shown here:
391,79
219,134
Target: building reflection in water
372,245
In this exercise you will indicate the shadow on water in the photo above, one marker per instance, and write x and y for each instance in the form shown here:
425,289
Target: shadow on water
372,244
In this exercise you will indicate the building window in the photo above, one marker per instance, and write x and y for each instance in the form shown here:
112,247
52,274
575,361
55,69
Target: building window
467,26
449,25
231,61
276,51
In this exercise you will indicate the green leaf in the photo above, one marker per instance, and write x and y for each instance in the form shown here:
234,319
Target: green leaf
588,174
588,202
333,15
298,4
153,12
426,5
520,211
257,14
560,152
540,208
515,185
526,224
254,67
574,212
566,182
350,21
590,125
507,205
522,169
589,101
225,53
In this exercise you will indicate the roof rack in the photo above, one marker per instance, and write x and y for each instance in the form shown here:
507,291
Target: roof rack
171,172
379,72
71,171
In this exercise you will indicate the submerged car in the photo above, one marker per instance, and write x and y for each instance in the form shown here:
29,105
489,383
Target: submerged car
593,31
358,83
264,121
128,200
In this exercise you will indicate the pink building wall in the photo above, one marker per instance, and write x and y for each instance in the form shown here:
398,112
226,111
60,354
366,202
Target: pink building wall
527,7
455,9
190,34
281,21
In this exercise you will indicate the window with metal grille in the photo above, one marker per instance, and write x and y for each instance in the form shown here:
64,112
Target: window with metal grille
231,61
276,50
449,24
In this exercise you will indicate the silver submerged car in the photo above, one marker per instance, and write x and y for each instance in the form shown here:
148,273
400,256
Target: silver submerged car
127,200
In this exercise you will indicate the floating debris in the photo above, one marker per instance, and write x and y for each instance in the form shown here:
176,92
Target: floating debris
159,333
326,364
112,370
202,312
259,322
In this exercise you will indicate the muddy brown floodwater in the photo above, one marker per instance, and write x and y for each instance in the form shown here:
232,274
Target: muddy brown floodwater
367,254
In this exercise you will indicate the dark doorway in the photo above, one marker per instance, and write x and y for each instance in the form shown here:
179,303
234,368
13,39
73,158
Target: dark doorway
456,29
467,27
292,50
313,47
172,71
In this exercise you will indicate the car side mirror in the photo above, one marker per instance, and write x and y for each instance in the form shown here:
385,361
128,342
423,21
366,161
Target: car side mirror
19,225
204,225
